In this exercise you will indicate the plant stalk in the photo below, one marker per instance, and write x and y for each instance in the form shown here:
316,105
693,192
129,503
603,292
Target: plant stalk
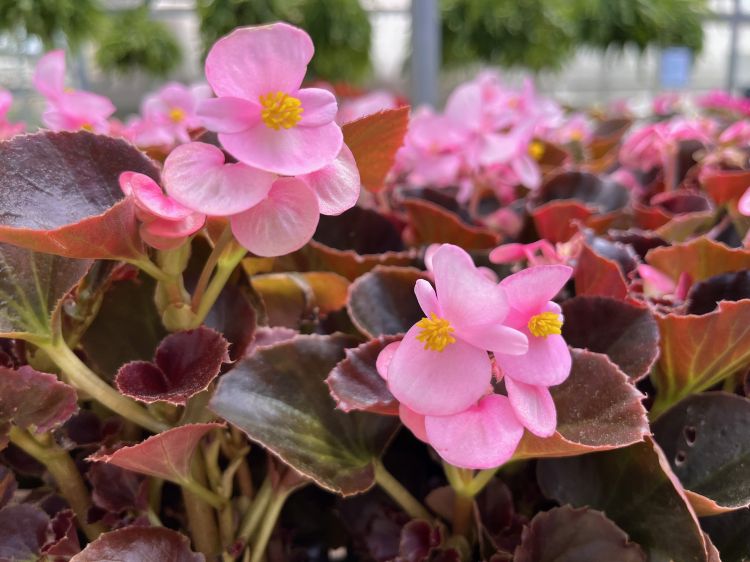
399,494
255,513
227,262
201,515
269,523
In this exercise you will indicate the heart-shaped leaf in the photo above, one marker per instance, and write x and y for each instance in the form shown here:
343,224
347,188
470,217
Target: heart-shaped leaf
165,455
382,302
725,185
290,297
23,530
635,487
279,398
626,333
185,363
700,351
700,258
34,400
706,295
603,194
374,141
558,221
705,439
432,224
133,544
59,193
355,383
599,276
31,286
137,335
583,535
598,408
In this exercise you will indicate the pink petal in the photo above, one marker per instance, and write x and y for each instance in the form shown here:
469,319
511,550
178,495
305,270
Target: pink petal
288,152
438,383
90,108
176,229
546,363
384,359
744,204
527,171
533,406
319,107
483,436
149,196
427,298
282,223
195,175
498,149
496,338
254,61
49,74
337,184
466,296
508,253
413,421
529,290
6,99
228,114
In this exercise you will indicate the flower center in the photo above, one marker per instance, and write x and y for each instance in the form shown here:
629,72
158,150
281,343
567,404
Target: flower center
177,114
536,149
280,110
545,324
436,333
88,127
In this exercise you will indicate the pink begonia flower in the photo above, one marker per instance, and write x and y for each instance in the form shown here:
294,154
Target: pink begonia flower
169,115
361,106
547,362
724,101
68,110
736,133
269,215
7,129
432,154
433,248
484,435
165,223
657,284
262,116
666,103
541,252
442,367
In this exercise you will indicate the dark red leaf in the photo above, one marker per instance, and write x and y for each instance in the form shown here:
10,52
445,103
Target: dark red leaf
432,224
583,535
184,365
115,489
625,332
63,542
700,258
235,317
59,193
355,383
726,185
382,302
8,485
374,141
139,544
599,276
23,530
165,455
558,221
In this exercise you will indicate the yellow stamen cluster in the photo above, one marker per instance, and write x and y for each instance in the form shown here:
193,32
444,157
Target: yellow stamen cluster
536,149
436,333
177,114
88,127
545,324
280,110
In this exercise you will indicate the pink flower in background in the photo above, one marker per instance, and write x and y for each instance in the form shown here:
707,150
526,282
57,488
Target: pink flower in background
736,133
68,110
262,116
269,215
442,367
165,223
724,101
432,154
372,102
484,435
7,129
666,103
169,115
576,128
547,361
541,252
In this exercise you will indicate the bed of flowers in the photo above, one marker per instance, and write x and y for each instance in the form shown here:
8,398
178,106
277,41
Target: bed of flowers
271,320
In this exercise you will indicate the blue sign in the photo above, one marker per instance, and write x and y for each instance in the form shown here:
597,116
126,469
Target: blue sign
676,63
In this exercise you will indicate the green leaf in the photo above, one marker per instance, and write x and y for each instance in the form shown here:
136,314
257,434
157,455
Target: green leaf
706,442
279,398
637,490
31,286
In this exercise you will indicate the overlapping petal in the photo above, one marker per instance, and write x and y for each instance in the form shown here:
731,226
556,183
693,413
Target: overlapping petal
547,362
228,114
531,289
336,184
533,406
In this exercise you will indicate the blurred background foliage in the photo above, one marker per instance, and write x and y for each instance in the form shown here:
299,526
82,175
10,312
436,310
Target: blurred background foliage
533,34
130,40
340,30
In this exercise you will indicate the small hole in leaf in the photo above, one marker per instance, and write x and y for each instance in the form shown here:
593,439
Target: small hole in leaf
690,435
680,458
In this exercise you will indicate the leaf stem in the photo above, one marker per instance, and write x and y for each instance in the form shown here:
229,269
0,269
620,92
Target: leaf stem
255,513
85,380
66,475
269,522
150,268
227,262
399,494
200,491
480,480
208,268
201,515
